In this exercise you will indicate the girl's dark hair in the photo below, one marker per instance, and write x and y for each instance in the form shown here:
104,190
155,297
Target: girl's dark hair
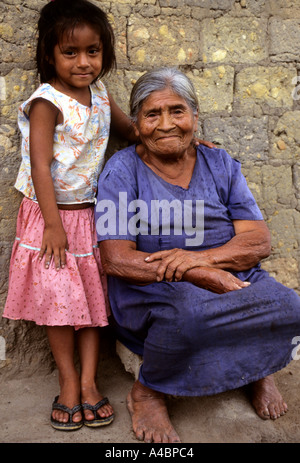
60,16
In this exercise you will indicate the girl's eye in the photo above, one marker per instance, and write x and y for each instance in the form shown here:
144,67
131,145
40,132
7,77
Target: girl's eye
69,52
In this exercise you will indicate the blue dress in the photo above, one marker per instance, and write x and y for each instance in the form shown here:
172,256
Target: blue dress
194,342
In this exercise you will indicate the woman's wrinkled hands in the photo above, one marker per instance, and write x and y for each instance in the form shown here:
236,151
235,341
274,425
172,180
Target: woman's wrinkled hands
216,280
54,245
174,263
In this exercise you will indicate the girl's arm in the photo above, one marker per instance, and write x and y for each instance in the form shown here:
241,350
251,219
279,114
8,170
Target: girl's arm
43,118
120,122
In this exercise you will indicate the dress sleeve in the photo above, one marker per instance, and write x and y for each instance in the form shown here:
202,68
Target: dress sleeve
231,185
240,201
117,193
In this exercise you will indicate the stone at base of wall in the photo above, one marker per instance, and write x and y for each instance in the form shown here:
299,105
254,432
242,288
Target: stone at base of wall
131,361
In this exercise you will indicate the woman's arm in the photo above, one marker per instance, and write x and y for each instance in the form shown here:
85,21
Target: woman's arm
250,244
43,118
213,279
121,259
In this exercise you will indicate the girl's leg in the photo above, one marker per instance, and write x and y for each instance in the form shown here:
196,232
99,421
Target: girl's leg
62,343
88,348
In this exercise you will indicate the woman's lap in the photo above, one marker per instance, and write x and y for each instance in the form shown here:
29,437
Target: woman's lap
198,343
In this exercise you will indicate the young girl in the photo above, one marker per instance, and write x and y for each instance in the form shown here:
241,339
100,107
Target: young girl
56,277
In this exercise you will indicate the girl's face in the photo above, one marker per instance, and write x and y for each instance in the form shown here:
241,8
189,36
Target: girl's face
77,58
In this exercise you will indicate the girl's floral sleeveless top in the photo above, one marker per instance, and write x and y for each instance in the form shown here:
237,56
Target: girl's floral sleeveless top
78,147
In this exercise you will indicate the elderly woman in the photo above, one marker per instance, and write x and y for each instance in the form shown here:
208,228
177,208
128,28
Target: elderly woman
181,240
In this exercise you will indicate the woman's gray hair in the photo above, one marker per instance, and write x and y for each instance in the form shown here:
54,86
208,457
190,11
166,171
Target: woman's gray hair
159,79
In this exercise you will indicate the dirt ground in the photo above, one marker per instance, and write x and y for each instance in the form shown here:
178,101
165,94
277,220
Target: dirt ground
224,418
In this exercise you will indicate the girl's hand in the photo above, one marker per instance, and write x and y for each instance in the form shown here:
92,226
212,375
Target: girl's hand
174,263
198,141
54,244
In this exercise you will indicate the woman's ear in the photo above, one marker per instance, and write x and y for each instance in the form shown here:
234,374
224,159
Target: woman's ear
136,130
196,120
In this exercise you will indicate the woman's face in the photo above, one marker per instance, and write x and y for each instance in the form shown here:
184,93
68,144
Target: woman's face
166,124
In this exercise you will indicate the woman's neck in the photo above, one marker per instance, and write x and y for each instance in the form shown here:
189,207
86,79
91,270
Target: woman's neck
177,171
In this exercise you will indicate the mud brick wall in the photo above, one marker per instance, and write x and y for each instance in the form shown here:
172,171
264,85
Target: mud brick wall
243,57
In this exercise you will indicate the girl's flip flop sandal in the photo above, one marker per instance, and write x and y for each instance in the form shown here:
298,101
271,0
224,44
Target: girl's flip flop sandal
97,421
70,425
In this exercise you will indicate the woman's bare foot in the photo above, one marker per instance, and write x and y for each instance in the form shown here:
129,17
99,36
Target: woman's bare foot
267,400
149,414
91,395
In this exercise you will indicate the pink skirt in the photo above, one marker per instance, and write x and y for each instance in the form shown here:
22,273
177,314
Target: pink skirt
74,296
